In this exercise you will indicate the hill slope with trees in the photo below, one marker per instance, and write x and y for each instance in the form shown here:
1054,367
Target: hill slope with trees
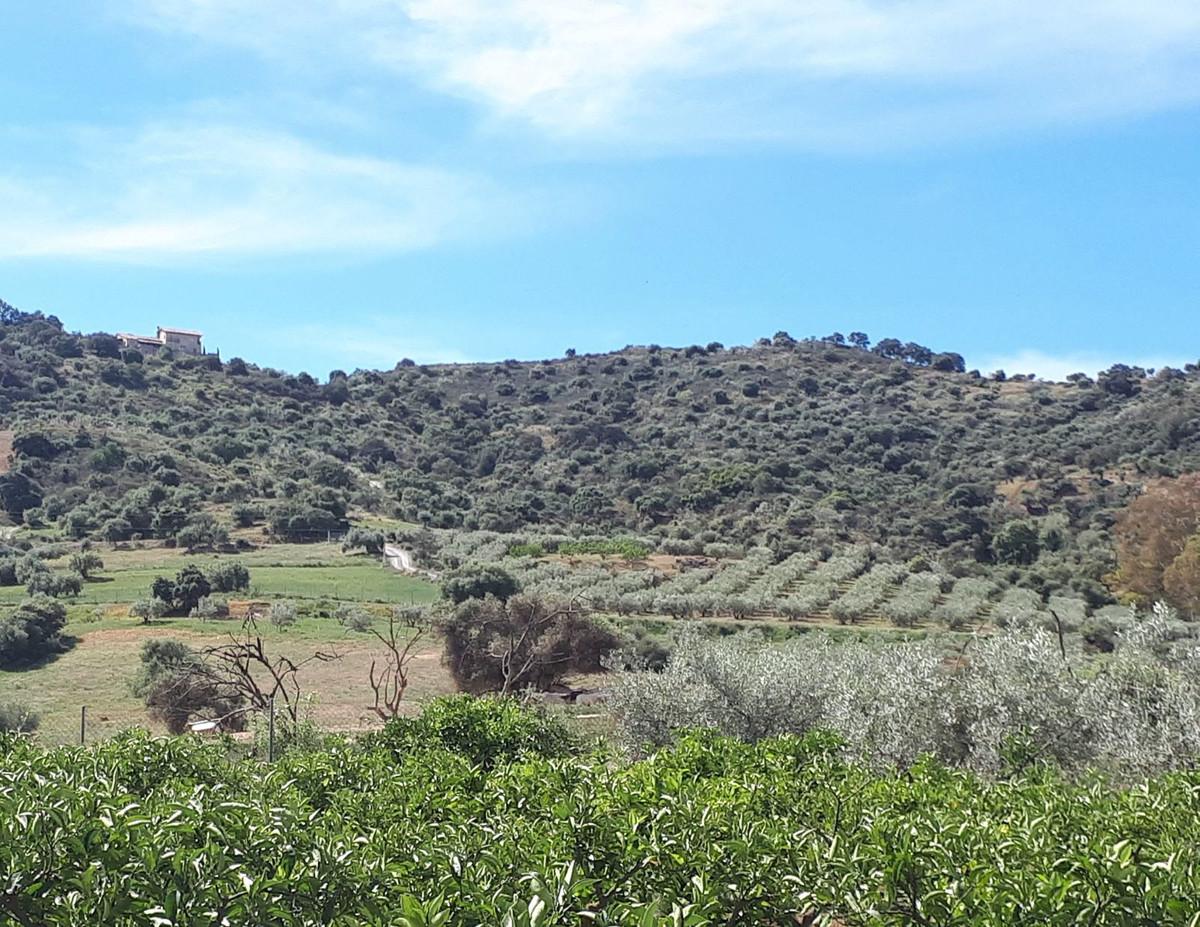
791,444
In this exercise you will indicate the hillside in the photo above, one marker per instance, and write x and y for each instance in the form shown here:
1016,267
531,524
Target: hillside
794,445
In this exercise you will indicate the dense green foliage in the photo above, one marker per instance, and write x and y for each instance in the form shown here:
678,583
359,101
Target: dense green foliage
794,444
32,631
140,832
486,731
478,582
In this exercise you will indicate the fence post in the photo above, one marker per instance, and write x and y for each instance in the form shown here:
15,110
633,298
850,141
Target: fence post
82,725
271,730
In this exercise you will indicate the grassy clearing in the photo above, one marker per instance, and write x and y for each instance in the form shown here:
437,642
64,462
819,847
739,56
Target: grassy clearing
299,571
97,673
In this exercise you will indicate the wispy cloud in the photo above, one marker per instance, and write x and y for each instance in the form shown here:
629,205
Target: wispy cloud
377,341
823,73
1059,366
172,191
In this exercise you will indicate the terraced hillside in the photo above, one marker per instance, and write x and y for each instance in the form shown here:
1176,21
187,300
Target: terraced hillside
857,586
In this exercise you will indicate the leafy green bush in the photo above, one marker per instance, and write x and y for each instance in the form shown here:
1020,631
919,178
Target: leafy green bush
184,593
228,576
175,688
477,582
367,540
526,642
1014,692
31,631
154,608
486,731
282,615
56,585
354,617
209,608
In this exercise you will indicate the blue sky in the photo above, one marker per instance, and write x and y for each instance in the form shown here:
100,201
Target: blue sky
347,182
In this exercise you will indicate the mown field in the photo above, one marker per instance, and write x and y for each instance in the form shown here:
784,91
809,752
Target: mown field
287,571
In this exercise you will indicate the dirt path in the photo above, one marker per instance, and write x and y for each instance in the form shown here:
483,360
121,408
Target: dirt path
398,559
6,441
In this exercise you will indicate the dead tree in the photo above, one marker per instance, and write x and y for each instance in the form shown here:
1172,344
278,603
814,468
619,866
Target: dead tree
391,680
243,670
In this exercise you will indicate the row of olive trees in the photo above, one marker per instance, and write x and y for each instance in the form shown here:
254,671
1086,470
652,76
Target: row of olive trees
1009,700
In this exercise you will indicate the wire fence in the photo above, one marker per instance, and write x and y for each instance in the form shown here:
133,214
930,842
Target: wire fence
266,731
270,731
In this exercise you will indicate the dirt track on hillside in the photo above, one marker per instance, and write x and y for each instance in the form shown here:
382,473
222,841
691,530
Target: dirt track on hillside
6,441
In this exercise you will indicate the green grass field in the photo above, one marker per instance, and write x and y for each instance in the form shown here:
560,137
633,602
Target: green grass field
285,571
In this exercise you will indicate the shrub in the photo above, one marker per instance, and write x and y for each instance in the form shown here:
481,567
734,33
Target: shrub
627,548
291,738
1012,701
365,539
245,515
202,531
184,593
477,582
228,576
282,615
32,631
56,585
486,731
175,688
86,563
530,549
495,646
149,609
355,618
16,718
210,608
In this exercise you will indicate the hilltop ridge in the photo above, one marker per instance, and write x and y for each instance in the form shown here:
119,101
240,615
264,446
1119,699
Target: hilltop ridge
785,443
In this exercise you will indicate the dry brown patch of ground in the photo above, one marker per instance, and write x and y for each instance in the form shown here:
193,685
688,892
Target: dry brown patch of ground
6,442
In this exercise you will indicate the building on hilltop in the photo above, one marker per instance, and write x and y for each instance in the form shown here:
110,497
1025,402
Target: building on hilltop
179,340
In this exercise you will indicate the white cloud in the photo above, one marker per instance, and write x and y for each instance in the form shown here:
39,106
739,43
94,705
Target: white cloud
826,73
378,341
171,191
1060,366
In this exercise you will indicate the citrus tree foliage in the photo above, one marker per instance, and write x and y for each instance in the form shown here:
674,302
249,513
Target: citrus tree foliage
1008,700
477,818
